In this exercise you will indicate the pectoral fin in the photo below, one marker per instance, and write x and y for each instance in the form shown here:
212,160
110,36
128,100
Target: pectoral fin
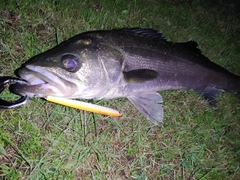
140,75
148,104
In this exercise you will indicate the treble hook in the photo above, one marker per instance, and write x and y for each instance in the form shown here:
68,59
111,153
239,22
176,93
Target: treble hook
12,104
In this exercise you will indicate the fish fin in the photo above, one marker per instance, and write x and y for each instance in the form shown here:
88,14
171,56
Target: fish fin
148,104
146,32
192,46
140,75
210,94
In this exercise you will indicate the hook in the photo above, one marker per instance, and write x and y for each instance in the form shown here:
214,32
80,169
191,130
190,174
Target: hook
12,104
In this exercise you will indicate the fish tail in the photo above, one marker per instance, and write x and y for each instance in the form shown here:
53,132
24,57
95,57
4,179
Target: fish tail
210,93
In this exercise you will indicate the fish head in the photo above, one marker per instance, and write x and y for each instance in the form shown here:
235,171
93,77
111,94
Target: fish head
74,69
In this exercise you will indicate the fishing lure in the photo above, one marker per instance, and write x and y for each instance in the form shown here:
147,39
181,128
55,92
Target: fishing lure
4,104
63,101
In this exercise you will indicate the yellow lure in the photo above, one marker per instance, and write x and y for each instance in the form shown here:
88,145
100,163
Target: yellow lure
83,106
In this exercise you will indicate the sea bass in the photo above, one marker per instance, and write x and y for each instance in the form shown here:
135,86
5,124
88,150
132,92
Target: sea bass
133,63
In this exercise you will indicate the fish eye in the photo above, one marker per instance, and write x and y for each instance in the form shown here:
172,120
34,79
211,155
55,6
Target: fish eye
70,63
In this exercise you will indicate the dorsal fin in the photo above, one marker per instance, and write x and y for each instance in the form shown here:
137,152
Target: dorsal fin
191,46
156,35
146,32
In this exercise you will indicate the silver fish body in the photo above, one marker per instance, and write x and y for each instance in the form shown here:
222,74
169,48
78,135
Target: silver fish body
131,63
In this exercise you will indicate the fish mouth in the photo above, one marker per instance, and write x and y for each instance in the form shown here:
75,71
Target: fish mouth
43,83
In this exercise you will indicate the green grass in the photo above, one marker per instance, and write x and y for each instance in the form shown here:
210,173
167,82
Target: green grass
47,141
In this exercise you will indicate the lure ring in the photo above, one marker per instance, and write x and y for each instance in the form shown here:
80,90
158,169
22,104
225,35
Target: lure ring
4,104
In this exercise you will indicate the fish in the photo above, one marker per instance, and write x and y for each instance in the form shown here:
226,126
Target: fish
132,63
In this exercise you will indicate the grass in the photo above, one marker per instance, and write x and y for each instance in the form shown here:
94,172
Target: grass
47,141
